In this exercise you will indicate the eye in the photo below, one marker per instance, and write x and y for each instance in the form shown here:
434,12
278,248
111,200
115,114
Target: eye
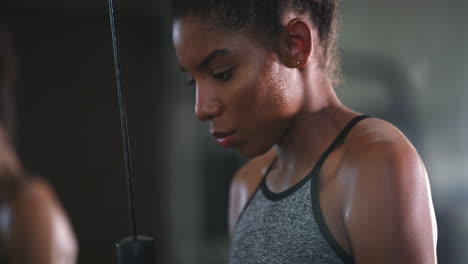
223,74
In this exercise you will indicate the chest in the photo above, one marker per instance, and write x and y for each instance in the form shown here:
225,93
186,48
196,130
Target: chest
280,231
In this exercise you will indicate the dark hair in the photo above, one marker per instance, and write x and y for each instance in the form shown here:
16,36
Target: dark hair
264,18
8,69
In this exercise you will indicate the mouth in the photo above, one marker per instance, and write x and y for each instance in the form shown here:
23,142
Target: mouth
225,139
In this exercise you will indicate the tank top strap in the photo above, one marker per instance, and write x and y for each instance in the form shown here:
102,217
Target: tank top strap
338,140
315,185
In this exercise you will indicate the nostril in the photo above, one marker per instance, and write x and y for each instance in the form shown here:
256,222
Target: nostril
208,110
212,107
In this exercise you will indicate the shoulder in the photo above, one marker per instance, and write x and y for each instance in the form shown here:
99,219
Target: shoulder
39,227
388,205
379,143
32,195
379,150
244,183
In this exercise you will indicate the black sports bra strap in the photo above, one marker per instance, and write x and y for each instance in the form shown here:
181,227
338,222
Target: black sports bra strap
318,165
339,139
315,186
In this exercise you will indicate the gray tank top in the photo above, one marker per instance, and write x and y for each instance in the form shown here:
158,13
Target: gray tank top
288,227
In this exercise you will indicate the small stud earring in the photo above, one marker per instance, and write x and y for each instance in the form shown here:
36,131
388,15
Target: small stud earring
298,62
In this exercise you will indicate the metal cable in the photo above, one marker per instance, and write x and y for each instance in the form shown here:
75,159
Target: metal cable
123,120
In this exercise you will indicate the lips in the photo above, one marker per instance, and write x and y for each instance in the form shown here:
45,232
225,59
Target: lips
225,139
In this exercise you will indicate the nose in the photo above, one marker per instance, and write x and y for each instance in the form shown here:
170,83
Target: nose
207,105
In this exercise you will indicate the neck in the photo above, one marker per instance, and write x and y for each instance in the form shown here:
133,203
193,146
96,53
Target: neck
313,129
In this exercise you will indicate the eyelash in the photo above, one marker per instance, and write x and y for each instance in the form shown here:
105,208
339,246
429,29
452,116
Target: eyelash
221,76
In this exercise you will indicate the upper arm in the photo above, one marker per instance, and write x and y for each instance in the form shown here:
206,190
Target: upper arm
39,229
388,213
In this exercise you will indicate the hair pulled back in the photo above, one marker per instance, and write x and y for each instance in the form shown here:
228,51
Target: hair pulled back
263,17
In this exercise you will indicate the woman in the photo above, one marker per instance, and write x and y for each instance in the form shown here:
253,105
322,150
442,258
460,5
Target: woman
324,184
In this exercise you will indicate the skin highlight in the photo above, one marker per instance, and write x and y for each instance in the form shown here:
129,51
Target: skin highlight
278,108
33,225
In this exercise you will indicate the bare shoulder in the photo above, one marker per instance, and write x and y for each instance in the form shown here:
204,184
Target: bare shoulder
380,146
34,187
40,231
33,195
375,130
244,183
388,207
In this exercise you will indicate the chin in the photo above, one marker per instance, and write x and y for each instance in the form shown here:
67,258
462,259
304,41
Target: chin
249,151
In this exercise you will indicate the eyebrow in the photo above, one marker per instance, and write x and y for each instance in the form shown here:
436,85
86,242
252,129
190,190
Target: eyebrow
213,55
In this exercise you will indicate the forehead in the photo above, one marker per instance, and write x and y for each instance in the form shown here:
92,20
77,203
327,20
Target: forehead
193,40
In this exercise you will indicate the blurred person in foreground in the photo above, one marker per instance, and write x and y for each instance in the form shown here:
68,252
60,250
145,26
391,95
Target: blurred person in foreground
324,184
34,228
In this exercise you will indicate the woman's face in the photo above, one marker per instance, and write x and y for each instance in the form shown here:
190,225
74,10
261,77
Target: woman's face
244,92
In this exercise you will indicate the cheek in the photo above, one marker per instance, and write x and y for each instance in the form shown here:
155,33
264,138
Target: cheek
281,95
262,103
276,97
264,99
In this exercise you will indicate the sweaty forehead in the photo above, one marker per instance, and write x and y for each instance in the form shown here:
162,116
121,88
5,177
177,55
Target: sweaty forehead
193,40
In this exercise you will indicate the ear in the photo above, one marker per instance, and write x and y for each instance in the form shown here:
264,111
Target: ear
297,44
